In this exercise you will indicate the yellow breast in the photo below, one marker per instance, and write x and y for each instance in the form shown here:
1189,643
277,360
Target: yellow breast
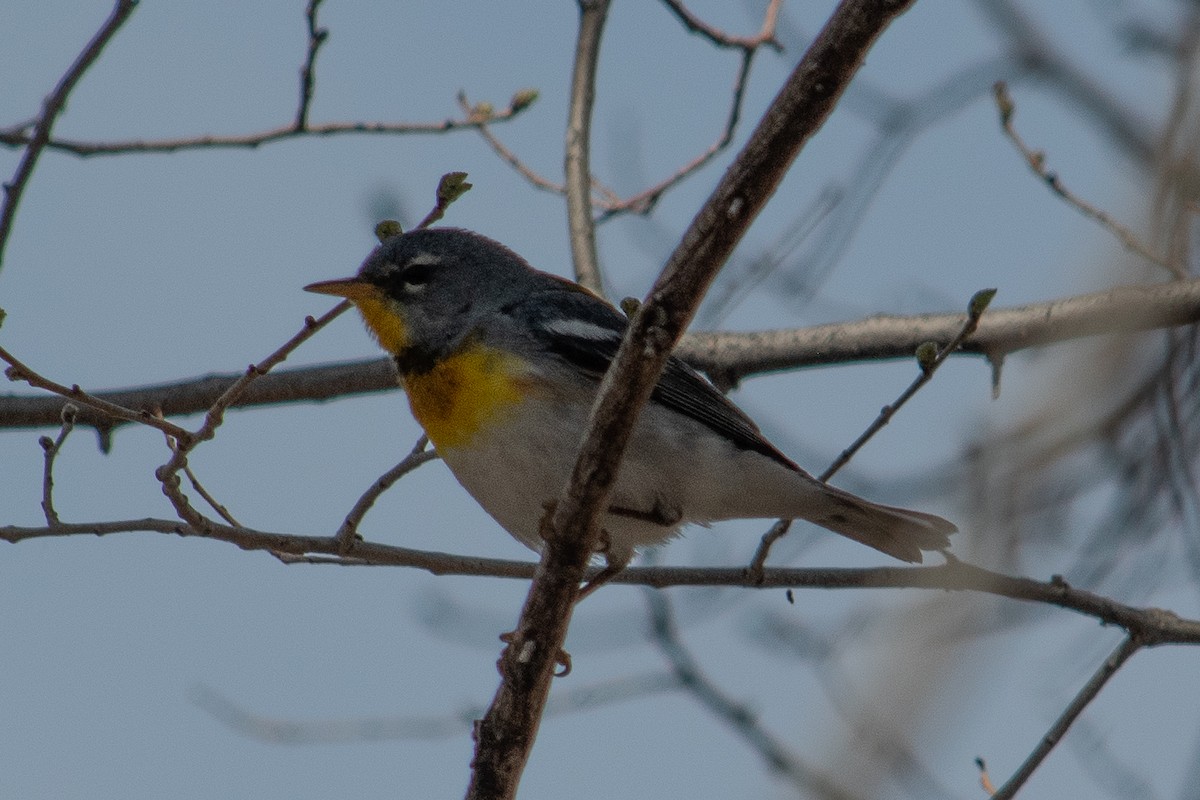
466,391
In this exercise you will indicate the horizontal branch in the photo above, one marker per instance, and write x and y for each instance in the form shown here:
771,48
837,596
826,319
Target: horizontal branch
1002,331
1152,626
194,396
19,137
731,356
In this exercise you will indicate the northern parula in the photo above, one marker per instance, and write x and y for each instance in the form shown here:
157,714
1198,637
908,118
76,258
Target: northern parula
501,363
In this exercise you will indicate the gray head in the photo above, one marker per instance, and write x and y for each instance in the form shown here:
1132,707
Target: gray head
421,293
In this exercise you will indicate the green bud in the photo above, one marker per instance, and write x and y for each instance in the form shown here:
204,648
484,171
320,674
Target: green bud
1003,102
522,100
387,229
979,302
927,353
452,186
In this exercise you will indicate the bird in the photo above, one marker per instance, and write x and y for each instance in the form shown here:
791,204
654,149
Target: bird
501,364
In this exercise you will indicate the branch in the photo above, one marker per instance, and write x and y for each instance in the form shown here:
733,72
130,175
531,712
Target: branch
1123,309
16,137
1036,161
577,160
418,456
1046,57
316,38
392,727
17,371
765,36
1086,695
505,735
609,203
168,473
39,139
193,396
51,449
1152,626
729,357
929,358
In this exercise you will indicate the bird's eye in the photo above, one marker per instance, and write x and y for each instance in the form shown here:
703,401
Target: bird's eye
414,277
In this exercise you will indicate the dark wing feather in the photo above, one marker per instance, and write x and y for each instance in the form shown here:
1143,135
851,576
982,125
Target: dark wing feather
589,342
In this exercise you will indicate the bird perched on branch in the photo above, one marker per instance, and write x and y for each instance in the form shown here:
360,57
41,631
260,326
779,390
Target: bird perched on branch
501,364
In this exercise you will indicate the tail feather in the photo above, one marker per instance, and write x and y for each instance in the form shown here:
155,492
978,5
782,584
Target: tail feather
899,532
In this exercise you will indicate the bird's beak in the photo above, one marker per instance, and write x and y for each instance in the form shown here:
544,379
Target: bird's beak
349,288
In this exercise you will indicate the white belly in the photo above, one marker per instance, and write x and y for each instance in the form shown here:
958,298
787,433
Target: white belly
680,473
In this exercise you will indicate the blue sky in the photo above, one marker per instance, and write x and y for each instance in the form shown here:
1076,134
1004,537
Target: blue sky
140,269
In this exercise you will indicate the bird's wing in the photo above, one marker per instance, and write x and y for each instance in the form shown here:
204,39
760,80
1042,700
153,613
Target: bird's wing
584,332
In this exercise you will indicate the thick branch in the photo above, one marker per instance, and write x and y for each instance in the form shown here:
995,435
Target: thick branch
506,734
731,356
1124,309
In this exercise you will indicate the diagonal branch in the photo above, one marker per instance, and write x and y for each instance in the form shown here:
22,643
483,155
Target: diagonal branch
40,137
1087,694
765,36
506,734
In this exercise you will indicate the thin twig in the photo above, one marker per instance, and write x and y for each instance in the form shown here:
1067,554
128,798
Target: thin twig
168,473
17,371
644,201
416,457
451,186
1036,159
985,780
316,38
607,201
216,414
220,508
740,719
765,36
1041,52
928,366
929,357
440,726
50,449
776,532
605,195
1087,694
39,138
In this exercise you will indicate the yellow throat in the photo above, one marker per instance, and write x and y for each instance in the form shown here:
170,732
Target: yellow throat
462,393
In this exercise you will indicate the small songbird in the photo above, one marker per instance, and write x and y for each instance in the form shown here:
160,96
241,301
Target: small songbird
501,364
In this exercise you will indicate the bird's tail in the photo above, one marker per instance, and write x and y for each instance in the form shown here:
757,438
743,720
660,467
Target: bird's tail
899,532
